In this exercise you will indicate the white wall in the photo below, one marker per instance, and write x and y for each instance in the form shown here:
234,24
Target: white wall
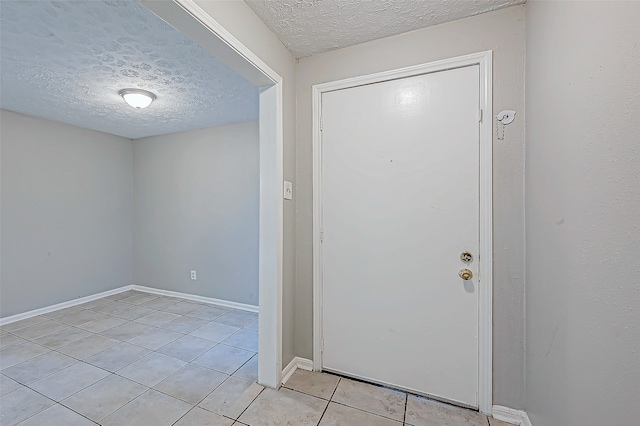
67,204
503,32
196,207
242,23
583,213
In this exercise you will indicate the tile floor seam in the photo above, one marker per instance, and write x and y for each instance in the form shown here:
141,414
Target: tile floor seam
124,405
134,380
329,401
42,377
80,390
28,359
336,388
379,386
406,402
326,407
367,412
223,415
77,412
96,422
33,340
249,405
54,402
186,363
121,341
184,415
315,396
304,393
249,327
243,363
188,402
40,323
114,372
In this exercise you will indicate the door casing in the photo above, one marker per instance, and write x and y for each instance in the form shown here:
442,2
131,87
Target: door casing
485,255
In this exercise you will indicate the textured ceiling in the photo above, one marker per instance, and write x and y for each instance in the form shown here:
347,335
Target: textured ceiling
66,60
309,27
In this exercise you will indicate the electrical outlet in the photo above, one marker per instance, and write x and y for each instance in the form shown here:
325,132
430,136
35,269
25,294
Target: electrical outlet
193,275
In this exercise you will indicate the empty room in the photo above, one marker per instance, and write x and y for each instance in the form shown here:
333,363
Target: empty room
319,212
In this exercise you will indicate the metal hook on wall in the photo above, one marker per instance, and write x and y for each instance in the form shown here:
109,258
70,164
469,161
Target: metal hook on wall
504,117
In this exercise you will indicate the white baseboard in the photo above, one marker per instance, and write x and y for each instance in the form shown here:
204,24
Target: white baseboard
195,298
510,415
297,362
74,302
81,300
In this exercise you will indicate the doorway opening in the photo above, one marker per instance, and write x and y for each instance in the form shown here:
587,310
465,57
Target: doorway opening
192,21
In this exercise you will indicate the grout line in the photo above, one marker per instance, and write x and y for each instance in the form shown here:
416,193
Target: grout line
406,405
330,399
124,405
367,412
335,389
80,414
60,402
110,374
406,396
249,405
184,415
303,392
179,399
119,341
33,390
323,412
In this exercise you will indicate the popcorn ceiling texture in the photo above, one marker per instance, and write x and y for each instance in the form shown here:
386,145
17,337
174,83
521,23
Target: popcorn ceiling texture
66,61
309,27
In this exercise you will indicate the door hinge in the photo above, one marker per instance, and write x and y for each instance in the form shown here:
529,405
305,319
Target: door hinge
480,114
322,344
321,123
321,235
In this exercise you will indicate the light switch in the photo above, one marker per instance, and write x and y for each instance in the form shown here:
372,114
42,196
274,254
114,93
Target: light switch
288,190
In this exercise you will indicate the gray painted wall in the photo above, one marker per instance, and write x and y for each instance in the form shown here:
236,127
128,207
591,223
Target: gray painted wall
67,203
504,33
196,207
583,210
237,18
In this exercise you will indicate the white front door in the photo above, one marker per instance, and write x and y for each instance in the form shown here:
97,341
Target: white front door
400,197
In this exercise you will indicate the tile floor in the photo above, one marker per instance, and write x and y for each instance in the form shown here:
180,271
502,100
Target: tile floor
140,359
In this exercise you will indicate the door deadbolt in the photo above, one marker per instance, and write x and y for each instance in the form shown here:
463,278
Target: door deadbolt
465,274
466,257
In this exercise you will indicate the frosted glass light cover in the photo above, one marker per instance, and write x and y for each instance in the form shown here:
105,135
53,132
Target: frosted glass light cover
137,98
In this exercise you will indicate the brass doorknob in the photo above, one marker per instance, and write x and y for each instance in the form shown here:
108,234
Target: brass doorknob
465,274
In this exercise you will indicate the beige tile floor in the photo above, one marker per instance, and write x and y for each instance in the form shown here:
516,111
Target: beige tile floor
145,360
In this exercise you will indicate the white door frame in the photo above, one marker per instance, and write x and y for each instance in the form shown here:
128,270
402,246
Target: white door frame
189,18
485,256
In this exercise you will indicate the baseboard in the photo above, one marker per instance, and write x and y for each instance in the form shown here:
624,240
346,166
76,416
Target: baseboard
81,300
74,302
195,298
297,362
510,415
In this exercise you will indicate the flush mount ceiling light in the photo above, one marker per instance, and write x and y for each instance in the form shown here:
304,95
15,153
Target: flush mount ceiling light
137,98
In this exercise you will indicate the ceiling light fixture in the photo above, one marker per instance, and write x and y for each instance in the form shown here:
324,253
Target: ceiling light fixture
137,98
